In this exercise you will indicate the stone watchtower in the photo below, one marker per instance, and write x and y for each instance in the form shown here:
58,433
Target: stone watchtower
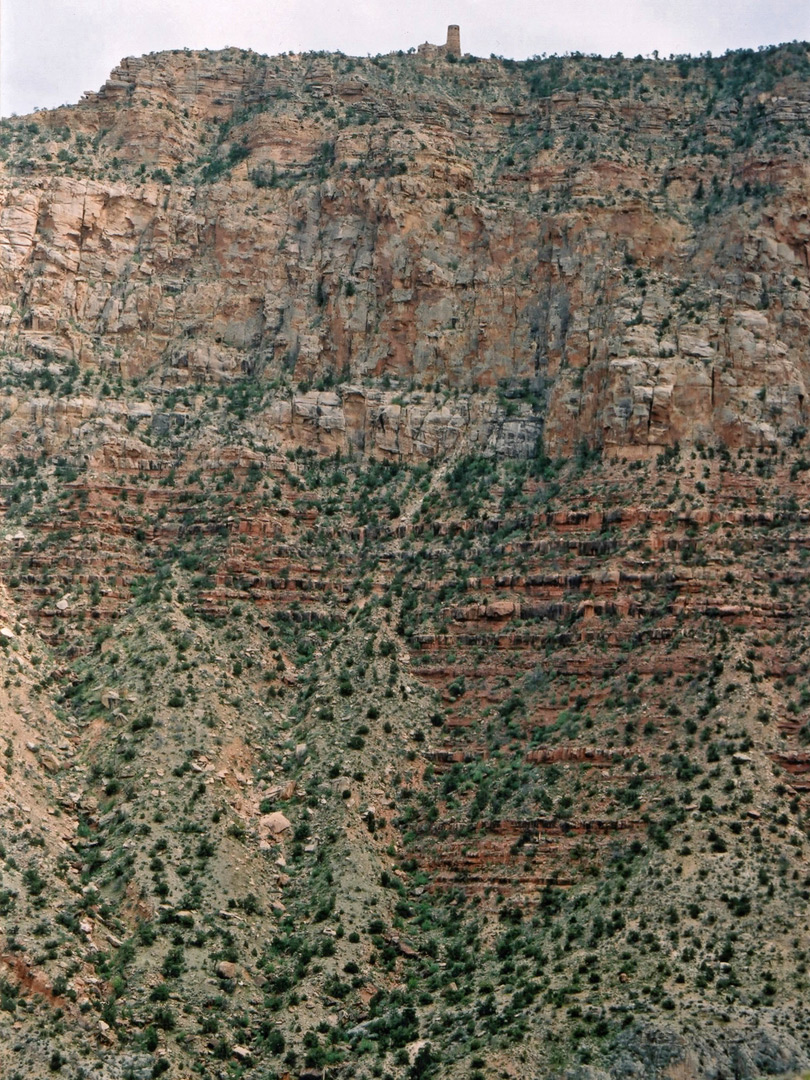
453,46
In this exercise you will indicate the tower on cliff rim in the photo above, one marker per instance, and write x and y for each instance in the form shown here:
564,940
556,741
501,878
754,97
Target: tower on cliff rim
453,46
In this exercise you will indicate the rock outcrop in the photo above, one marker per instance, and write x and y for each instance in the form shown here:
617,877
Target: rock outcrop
635,261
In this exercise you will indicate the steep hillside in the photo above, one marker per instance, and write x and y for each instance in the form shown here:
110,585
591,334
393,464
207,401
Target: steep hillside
404,569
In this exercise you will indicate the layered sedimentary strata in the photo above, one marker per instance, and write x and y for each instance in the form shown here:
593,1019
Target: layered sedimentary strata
638,258
404,569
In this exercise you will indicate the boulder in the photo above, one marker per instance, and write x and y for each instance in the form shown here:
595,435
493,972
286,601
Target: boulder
276,823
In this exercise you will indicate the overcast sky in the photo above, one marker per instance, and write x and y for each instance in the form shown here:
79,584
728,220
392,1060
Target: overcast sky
53,50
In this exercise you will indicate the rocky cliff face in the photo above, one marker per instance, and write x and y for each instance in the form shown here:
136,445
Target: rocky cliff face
404,569
629,238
